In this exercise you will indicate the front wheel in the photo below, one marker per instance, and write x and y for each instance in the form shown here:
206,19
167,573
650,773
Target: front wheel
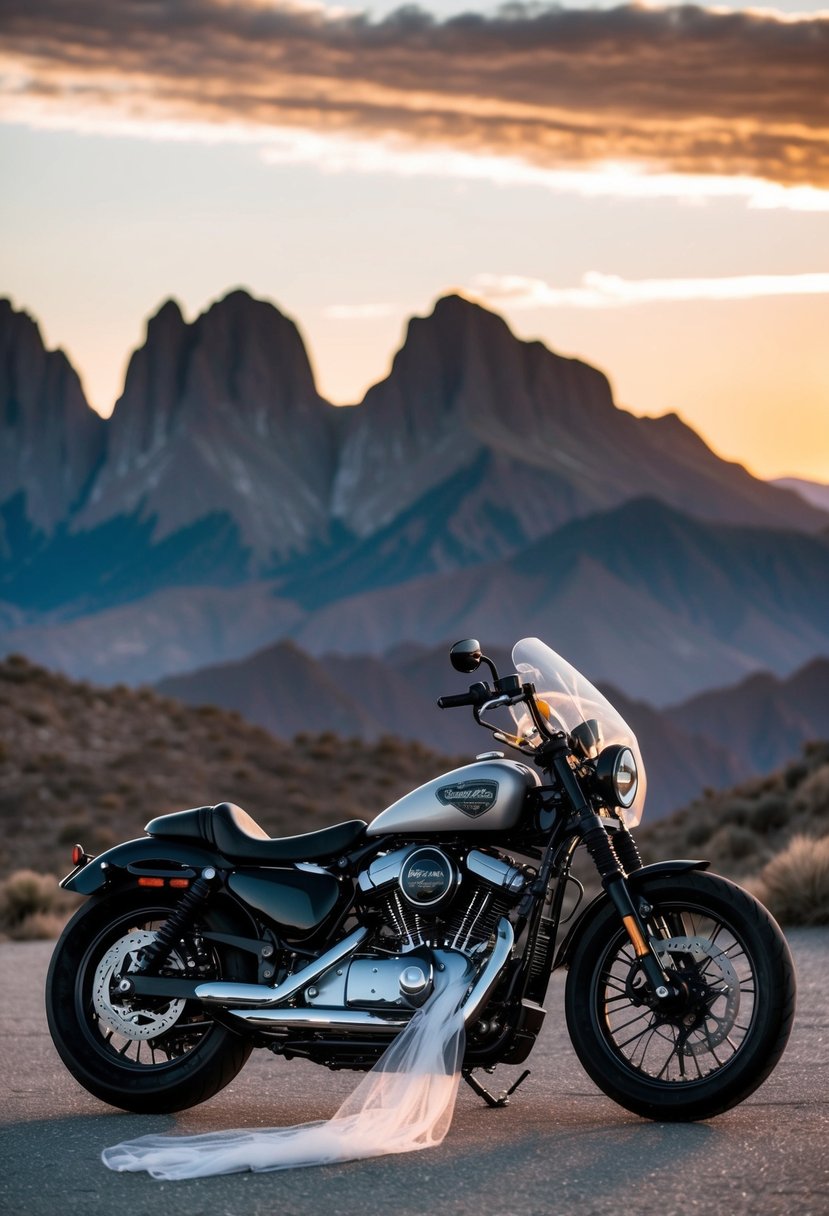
146,1054
721,1038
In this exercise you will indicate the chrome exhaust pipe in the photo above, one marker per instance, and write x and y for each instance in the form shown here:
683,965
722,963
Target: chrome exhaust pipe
348,1021
345,1021
481,990
262,996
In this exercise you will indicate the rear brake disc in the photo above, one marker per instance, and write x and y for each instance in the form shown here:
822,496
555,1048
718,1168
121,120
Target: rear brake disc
124,1017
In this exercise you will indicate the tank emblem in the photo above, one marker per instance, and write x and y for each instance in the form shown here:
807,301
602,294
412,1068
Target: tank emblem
471,797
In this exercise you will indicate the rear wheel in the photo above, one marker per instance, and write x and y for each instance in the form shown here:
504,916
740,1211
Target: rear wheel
720,1039
146,1054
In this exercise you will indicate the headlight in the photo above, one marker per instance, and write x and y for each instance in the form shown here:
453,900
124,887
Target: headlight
618,775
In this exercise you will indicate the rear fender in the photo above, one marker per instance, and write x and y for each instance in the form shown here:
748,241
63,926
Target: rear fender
660,869
147,856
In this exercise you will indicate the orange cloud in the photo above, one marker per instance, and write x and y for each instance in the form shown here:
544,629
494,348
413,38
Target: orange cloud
681,90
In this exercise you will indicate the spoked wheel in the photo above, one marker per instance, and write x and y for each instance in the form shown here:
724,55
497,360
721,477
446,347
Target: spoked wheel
712,1045
141,1053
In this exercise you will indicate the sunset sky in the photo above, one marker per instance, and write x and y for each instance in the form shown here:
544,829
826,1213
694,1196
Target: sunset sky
644,187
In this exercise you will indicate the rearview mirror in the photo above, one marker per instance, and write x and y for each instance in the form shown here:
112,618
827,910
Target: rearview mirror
466,655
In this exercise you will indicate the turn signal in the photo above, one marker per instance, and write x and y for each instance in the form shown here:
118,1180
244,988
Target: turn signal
179,882
151,882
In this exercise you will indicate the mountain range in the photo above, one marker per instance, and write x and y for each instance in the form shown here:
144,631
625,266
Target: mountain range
485,486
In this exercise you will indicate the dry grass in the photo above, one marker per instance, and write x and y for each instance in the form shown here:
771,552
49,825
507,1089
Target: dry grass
770,834
794,885
33,906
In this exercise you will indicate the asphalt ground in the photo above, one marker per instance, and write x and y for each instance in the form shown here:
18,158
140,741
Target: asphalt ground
561,1147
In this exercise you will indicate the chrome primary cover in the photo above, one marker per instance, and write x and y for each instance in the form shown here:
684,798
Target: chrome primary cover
487,796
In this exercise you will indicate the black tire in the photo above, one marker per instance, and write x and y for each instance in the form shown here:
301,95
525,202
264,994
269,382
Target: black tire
716,1046
191,1058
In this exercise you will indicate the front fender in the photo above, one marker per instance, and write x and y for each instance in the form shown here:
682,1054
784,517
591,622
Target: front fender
146,854
659,869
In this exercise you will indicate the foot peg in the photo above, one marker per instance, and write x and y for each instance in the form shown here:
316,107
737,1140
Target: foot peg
491,1100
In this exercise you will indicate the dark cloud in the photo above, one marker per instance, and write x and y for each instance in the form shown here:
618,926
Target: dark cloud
685,89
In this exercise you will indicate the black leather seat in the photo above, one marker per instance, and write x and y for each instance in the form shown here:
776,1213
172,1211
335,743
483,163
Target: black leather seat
238,837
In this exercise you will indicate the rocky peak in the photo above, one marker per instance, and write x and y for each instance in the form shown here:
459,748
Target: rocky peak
144,415
242,357
496,376
221,415
462,383
51,441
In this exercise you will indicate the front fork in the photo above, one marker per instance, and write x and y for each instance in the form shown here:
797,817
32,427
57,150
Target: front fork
615,884
614,881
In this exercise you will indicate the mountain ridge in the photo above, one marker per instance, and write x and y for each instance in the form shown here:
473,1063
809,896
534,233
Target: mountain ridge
460,382
40,391
486,484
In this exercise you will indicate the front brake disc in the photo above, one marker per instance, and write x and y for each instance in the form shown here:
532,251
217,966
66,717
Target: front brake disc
714,1027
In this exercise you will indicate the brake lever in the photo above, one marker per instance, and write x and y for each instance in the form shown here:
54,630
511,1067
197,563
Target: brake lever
498,702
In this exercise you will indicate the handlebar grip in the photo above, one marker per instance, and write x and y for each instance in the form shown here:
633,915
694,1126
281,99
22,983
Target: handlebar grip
453,702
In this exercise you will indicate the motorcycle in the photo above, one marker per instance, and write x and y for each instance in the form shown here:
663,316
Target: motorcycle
206,938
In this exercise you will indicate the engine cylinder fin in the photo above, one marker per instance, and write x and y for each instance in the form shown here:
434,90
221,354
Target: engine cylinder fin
469,920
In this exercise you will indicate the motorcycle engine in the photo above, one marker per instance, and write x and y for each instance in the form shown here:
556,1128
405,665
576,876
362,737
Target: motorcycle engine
430,900
431,896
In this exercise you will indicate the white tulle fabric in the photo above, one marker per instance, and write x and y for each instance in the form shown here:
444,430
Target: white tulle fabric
405,1103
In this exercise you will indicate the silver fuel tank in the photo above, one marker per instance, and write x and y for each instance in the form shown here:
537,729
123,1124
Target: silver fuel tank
487,796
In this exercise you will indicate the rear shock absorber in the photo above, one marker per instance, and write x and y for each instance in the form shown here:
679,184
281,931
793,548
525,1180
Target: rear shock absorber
178,923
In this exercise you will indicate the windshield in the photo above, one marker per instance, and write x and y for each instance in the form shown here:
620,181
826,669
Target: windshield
572,700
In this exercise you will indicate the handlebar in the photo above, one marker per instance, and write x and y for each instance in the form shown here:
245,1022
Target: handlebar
477,694
482,697
508,691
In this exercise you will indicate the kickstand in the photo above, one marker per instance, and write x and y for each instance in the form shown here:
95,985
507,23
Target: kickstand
490,1099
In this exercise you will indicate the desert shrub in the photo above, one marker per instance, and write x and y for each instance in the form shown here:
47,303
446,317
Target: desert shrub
103,837
39,925
53,762
738,811
72,831
813,792
304,805
794,774
17,669
771,811
23,894
732,842
698,832
794,885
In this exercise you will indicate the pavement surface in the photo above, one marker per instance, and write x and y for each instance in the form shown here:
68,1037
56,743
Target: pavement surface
561,1147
